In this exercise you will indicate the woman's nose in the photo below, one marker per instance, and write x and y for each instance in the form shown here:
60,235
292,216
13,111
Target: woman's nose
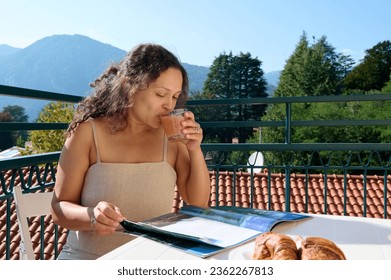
169,104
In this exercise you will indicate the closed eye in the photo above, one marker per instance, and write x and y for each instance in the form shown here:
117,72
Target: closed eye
176,96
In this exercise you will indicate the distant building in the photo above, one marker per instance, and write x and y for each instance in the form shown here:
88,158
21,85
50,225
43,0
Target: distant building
11,152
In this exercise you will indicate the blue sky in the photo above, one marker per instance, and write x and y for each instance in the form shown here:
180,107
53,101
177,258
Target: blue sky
199,30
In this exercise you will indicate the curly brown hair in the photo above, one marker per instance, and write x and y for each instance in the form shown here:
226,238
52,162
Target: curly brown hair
114,89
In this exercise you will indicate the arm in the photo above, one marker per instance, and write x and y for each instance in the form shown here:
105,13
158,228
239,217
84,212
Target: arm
193,177
67,210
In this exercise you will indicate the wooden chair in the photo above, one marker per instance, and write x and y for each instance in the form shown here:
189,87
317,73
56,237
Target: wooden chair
29,205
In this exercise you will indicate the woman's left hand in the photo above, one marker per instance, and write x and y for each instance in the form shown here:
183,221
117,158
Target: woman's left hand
192,130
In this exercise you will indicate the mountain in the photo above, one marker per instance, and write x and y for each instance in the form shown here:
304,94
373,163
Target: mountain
197,76
272,79
68,64
7,50
60,63
64,64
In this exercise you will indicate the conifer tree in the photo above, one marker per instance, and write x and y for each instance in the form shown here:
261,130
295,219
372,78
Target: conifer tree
230,76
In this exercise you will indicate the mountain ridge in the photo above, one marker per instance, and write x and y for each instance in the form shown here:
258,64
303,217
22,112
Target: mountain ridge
65,64
6,50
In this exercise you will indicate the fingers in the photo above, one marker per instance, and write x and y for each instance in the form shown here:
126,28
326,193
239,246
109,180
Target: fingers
105,218
190,125
193,130
189,115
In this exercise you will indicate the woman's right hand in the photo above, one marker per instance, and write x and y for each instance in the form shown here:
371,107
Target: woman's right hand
105,218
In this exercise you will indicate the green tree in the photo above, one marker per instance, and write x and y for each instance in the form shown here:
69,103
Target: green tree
6,138
317,70
18,114
387,86
51,140
238,77
346,64
374,71
313,70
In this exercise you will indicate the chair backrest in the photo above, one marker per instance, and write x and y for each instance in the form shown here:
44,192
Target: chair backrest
29,205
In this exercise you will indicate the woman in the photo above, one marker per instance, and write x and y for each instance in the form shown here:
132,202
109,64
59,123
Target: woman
116,162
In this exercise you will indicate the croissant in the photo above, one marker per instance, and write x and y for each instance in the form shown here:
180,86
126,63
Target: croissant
275,246
317,248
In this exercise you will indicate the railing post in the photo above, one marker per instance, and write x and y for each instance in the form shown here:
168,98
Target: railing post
288,169
287,189
385,193
288,113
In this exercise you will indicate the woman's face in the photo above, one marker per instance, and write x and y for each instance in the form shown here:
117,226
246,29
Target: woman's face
158,99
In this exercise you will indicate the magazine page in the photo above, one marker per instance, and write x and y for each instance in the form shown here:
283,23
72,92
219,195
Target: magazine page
212,232
256,219
260,215
187,243
198,229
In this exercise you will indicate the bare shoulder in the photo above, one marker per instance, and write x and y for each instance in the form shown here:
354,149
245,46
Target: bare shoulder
81,140
82,132
76,153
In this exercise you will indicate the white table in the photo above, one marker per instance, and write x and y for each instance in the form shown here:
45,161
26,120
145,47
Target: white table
359,239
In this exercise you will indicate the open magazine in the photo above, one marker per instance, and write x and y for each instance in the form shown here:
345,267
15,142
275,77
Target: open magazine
207,231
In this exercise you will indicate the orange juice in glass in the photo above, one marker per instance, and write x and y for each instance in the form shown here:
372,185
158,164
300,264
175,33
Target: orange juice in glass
172,125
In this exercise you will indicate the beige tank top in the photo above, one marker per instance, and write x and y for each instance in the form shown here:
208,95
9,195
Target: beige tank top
140,190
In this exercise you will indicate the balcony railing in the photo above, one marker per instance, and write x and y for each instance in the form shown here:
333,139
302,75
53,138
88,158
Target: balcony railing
304,178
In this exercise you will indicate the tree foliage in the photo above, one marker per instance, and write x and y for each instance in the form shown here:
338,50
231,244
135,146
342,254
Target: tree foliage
238,77
12,113
313,70
374,71
18,114
317,70
387,86
51,140
6,138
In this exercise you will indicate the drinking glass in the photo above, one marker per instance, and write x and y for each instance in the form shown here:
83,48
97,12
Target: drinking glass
172,125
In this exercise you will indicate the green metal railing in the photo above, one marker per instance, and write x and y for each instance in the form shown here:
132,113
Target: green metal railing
323,157
326,152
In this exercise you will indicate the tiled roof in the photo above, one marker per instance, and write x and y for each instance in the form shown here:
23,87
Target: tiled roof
307,193
235,189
